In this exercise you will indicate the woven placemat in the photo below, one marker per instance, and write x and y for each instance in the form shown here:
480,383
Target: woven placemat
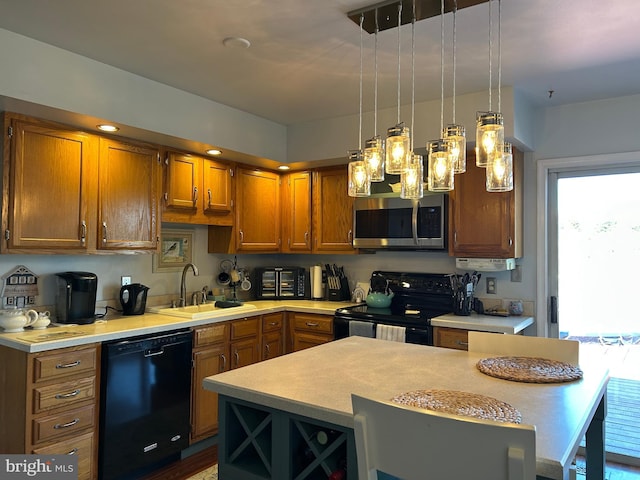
529,369
460,403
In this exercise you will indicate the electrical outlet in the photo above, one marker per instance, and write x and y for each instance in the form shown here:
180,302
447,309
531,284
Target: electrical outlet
125,281
492,285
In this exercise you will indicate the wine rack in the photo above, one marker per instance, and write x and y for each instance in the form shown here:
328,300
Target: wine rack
260,443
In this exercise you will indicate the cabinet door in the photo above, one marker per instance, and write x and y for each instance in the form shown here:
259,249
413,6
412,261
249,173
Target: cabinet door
332,212
258,211
204,403
272,345
182,181
128,196
244,352
216,187
302,340
48,199
296,212
485,224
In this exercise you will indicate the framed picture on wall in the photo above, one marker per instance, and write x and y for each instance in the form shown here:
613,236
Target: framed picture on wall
175,250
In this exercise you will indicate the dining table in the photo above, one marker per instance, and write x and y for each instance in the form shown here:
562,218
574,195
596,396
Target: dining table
314,387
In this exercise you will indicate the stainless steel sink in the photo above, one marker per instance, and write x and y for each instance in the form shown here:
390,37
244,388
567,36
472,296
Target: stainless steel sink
199,312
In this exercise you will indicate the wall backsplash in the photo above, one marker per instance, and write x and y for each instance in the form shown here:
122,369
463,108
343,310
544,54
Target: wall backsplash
165,285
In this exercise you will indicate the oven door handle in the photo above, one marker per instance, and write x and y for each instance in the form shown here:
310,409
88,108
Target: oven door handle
414,221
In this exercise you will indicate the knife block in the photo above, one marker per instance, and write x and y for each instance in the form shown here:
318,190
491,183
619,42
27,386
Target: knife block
338,294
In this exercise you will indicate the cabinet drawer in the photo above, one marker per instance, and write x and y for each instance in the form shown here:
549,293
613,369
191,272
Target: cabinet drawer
82,446
272,322
61,364
451,338
313,323
210,334
62,394
67,423
245,328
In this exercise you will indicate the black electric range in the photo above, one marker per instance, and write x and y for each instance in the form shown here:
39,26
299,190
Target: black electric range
417,298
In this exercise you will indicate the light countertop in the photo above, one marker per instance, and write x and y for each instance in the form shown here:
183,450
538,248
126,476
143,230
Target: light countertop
117,326
484,323
318,382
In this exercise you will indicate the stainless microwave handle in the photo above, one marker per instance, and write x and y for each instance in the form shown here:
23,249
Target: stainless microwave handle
414,221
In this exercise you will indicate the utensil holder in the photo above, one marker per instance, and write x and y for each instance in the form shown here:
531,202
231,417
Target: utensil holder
463,303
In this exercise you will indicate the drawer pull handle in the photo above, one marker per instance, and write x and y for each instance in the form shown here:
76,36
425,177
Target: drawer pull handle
68,365
312,324
61,396
273,324
72,452
58,426
464,344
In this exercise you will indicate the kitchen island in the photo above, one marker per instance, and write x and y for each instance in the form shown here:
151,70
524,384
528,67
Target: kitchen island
271,411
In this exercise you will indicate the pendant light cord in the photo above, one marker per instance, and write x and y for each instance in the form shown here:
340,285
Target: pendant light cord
360,125
455,9
441,66
413,72
399,24
375,87
499,53
490,49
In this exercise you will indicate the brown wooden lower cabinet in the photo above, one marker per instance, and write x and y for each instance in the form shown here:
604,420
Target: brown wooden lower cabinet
84,446
308,330
451,338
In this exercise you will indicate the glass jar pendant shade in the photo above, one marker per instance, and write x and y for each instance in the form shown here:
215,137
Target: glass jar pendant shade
374,158
359,182
489,134
398,148
412,178
500,170
455,136
440,172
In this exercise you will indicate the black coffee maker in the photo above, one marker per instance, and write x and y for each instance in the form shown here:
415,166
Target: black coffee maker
133,299
76,297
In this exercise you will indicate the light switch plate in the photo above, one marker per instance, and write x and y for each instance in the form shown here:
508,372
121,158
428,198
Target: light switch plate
125,280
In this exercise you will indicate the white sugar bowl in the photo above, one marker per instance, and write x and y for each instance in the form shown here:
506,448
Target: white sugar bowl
42,322
15,319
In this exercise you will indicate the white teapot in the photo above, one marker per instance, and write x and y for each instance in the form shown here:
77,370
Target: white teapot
15,319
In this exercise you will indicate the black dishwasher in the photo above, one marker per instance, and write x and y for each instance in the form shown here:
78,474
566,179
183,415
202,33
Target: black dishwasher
144,403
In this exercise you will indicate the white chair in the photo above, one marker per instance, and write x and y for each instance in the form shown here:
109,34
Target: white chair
416,444
519,345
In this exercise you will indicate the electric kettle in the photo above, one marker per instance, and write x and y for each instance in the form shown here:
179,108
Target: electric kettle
133,299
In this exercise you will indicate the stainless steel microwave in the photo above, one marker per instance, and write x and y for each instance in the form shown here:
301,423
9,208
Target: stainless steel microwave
398,223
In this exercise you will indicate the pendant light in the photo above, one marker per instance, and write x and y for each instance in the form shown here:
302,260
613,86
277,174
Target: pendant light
500,170
411,178
440,170
500,166
453,132
489,125
374,147
358,173
397,148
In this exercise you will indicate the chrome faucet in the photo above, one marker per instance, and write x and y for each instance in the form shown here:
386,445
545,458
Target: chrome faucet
183,287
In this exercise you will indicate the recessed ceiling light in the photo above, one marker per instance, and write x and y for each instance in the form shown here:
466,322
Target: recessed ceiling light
214,151
236,42
283,167
107,128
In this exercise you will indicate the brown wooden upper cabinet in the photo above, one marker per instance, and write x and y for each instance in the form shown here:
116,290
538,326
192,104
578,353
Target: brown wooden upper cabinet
197,190
296,212
257,225
485,224
332,211
67,191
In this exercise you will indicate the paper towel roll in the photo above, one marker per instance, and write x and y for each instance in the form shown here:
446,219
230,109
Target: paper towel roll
316,282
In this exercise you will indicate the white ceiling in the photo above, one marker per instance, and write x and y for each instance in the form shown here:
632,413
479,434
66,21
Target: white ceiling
303,62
